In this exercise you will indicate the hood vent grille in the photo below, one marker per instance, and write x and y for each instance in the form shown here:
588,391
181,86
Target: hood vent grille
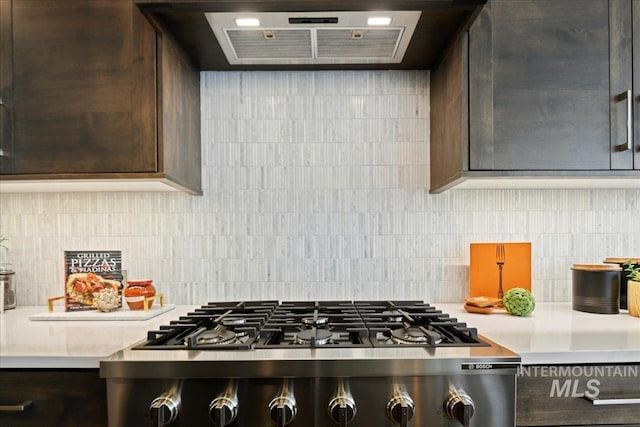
285,39
270,44
358,43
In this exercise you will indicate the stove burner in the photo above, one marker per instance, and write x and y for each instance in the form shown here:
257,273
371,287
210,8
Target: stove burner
413,336
315,321
317,336
393,315
218,335
228,321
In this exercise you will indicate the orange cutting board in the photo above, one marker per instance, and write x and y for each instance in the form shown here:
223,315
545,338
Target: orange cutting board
484,273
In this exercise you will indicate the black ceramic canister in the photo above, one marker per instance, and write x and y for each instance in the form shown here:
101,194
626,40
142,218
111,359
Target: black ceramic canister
623,276
596,288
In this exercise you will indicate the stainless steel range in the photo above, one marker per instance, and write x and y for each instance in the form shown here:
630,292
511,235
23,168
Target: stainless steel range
265,363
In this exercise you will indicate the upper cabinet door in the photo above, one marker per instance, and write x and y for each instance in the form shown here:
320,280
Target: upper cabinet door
539,76
635,148
77,88
6,86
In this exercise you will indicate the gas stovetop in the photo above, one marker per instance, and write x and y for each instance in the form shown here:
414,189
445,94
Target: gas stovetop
306,363
301,324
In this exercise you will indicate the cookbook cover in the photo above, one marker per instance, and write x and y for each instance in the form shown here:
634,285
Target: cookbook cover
493,264
93,280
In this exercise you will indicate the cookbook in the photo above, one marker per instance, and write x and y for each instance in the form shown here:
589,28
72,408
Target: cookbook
93,280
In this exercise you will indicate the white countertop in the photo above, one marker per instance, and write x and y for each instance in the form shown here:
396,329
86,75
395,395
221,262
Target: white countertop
553,333
28,343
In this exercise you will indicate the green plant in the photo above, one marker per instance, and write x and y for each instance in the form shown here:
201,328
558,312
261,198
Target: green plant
633,270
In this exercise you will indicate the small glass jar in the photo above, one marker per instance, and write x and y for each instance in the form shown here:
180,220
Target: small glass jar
137,291
7,287
7,283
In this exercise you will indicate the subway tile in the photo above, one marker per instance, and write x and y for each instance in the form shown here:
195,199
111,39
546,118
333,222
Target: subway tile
316,187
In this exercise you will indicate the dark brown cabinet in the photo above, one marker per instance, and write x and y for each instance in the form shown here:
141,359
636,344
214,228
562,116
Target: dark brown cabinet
538,88
73,397
99,91
578,395
5,81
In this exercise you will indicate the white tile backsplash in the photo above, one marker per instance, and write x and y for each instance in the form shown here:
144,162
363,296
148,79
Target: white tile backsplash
315,187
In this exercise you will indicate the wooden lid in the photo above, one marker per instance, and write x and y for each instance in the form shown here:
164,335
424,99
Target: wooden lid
622,260
596,267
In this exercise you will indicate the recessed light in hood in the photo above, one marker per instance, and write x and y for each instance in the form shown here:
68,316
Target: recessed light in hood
315,37
247,22
378,20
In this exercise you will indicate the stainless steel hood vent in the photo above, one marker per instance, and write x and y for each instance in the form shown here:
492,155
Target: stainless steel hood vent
312,34
314,37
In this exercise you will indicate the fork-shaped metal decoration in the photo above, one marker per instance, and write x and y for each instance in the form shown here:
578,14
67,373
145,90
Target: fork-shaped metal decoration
500,259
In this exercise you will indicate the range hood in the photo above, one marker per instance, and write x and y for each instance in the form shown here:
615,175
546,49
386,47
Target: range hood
313,34
377,37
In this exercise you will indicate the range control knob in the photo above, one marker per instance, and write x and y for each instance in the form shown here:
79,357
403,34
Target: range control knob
342,407
164,409
459,407
224,408
400,407
283,407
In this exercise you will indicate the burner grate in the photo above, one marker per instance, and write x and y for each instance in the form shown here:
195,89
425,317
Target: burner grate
315,324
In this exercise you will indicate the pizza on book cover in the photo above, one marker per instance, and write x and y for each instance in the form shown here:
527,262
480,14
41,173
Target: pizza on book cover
88,274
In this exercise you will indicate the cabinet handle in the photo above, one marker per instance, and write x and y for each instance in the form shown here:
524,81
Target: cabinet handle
628,144
20,407
619,401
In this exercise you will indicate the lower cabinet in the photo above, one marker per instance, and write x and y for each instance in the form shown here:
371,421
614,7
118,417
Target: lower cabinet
72,397
578,395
